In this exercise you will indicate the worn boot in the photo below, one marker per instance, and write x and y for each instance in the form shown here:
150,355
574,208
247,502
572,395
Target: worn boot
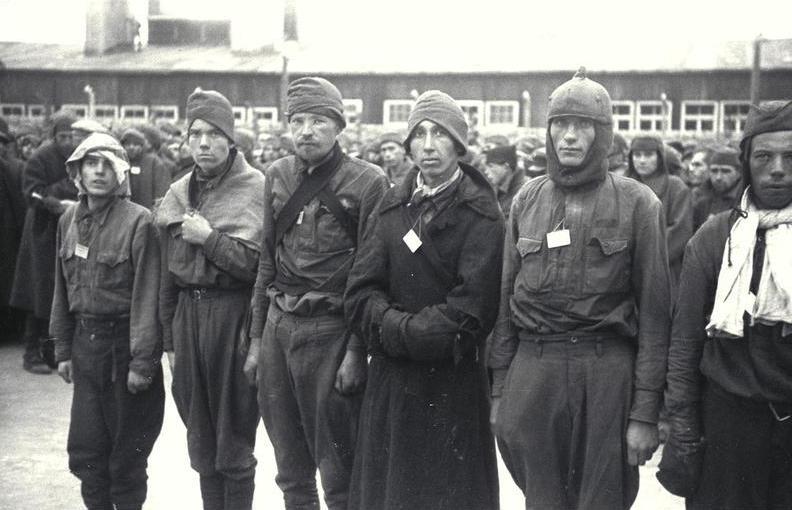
32,361
212,491
239,493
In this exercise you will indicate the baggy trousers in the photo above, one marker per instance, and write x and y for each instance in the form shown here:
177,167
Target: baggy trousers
112,431
310,424
562,422
214,400
747,454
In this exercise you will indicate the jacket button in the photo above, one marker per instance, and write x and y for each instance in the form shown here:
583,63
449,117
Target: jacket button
574,339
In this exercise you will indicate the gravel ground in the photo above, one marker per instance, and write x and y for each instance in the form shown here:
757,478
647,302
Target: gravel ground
34,419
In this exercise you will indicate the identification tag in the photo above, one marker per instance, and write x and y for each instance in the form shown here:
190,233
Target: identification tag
412,240
558,238
135,170
300,217
81,251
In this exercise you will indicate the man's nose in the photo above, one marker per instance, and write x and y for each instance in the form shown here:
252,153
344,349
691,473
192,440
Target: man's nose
777,166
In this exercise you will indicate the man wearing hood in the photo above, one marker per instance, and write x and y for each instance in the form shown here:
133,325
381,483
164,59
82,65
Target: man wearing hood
723,190
104,321
48,191
579,349
210,230
309,373
423,295
730,360
149,178
647,164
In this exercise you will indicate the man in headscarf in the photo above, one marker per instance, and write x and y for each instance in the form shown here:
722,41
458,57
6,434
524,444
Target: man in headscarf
104,322
210,228
309,372
730,361
723,189
48,191
646,163
584,319
423,295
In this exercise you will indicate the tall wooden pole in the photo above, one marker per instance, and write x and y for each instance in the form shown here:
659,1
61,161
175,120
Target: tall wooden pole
756,70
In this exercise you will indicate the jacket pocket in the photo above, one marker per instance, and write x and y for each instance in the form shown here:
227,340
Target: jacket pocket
70,264
608,265
113,270
531,269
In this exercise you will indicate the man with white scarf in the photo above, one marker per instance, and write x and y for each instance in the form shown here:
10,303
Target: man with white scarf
730,362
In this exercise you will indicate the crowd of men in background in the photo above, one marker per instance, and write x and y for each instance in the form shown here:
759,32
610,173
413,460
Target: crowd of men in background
392,307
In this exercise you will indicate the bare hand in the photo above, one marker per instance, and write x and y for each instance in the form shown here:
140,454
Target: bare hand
171,360
351,375
195,228
65,371
494,406
250,367
137,382
642,441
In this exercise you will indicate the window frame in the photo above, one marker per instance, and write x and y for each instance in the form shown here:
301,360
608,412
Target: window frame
515,107
164,108
262,123
630,117
473,103
106,106
386,112
31,108
75,108
122,115
698,117
13,105
653,117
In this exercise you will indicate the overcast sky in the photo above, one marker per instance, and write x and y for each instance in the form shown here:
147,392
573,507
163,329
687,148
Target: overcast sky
559,25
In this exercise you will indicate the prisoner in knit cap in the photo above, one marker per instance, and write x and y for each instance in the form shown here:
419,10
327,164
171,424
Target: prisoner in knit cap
441,109
212,107
315,95
769,117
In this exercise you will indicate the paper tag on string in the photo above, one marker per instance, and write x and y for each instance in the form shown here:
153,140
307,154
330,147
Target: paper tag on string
412,240
81,251
558,238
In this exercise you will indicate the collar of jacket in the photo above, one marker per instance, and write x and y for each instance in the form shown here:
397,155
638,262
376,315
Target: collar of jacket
474,192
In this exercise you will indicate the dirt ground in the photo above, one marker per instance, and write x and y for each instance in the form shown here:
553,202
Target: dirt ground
34,420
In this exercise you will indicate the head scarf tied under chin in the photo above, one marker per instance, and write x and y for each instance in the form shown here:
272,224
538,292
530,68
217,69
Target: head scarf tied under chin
581,97
104,145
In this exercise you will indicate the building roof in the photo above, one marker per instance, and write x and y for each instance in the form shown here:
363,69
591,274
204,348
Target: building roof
470,58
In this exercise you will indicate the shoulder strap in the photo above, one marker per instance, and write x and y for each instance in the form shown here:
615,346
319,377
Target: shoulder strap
310,186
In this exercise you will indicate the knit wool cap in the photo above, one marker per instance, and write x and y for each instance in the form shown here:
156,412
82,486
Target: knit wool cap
315,95
134,135
504,154
213,107
62,122
725,156
769,117
581,97
389,138
441,109
646,143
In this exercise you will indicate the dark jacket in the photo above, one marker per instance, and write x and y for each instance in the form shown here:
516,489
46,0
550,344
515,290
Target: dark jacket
505,196
12,219
758,366
34,278
119,277
149,180
707,202
612,278
425,440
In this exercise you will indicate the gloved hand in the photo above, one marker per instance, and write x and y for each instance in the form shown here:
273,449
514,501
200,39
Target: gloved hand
680,468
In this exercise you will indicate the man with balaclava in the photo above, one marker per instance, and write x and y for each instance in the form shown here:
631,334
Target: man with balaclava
210,230
500,168
395,161
729,391
48,190
579,348
647,164
423,296
106,331
723,189
149,178
309,370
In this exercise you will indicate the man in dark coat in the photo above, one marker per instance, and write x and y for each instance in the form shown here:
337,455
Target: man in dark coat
579,349
647,163
309,373
500,167
12,219
395,161
149,178
210,230
423,295
722,190
48,191
730,361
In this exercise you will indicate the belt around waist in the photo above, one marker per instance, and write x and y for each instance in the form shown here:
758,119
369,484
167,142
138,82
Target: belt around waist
101,320
571,337
199,293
